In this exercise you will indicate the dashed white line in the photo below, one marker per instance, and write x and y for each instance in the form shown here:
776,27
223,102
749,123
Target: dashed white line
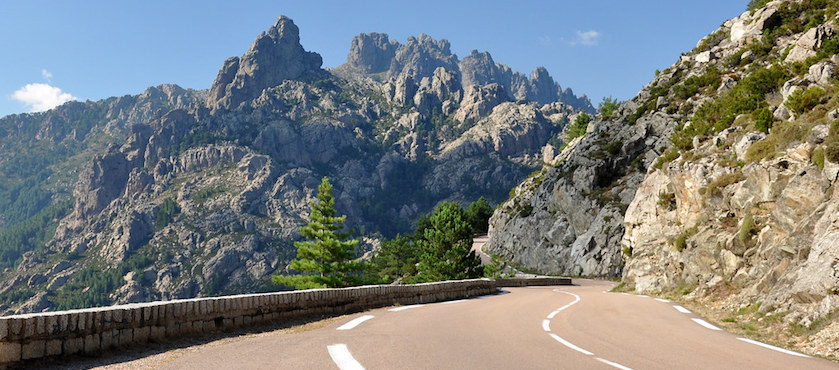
570,345
769,346
705,324
546,324
662,300
355,322
343,358
642,296
403,308
612,364
681,309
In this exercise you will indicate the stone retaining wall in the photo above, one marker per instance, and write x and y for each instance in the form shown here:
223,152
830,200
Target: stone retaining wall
93,330
535,281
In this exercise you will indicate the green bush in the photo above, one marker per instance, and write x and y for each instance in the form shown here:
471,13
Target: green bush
760,150
608,106
756,4
716,186
818,158
665,158
763,119
803,100
578,128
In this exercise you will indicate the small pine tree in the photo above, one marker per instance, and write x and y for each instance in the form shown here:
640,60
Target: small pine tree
446,249
327,258
478,215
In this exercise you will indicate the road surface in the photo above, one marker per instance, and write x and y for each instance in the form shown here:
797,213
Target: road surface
564,327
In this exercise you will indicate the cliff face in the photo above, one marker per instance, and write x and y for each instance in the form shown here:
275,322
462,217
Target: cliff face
206,195
717,181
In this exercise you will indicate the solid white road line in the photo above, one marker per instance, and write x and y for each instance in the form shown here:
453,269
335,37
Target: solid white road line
769,346
455,301
546,324
705,324
343,358
570,345
403,308
355,322
662,300
681,309
612,364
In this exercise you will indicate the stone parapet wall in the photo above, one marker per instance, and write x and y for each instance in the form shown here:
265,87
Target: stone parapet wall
535,281
94,330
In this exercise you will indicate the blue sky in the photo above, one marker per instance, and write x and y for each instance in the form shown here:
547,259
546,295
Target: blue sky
90,50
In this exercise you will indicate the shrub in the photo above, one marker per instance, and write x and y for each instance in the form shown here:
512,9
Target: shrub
760,150
665,158
756,4
681,241
578,128
722,181
804,100
667,200
747,228
608,106
831,152
763,119
818,158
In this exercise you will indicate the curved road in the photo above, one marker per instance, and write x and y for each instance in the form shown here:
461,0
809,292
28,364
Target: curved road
567,327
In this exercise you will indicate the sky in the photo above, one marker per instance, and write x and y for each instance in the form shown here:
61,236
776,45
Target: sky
55,51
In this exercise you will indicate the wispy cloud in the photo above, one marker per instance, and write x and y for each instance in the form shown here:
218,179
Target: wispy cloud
40,97
586,38
46,75
546,40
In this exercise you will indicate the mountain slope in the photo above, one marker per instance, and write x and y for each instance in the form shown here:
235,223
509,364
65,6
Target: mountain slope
205,196
715,183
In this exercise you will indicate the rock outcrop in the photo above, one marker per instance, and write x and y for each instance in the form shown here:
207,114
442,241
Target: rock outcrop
274,57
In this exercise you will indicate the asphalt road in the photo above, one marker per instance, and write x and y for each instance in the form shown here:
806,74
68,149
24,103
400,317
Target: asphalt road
567,327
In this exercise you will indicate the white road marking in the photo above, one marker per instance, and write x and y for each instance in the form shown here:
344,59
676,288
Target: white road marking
769,346
681,309
343,358
546,324
613,364
403,308
455,301
642,296
705,324
626,294
570,345
355,322
577,299
552,314
662,300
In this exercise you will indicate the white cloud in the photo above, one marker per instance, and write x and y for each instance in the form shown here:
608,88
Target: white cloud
46,74
545,40
40,97
587,38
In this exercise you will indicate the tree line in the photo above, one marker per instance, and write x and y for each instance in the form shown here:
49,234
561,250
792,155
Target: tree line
438,249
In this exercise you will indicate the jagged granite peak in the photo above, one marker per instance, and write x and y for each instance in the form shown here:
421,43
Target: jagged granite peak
375,54
275,56
371,52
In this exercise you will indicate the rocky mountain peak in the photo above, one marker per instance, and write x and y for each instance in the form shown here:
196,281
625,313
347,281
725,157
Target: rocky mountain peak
371,52
275,56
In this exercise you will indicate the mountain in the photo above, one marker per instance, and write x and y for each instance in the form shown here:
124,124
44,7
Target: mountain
715,184
178,193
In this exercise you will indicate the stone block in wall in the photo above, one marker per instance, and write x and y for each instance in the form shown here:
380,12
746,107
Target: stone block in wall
29,327
33,349
172,329
9,352
92,343
157,333
53,347
209,326
141,334
73,346
110,339
246,320
107,318
126,337
81,321
52,324
4,328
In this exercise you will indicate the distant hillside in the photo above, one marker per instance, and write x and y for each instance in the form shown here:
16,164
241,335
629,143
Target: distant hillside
177,193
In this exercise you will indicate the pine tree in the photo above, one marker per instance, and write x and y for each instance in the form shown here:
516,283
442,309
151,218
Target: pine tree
446,249
327,258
